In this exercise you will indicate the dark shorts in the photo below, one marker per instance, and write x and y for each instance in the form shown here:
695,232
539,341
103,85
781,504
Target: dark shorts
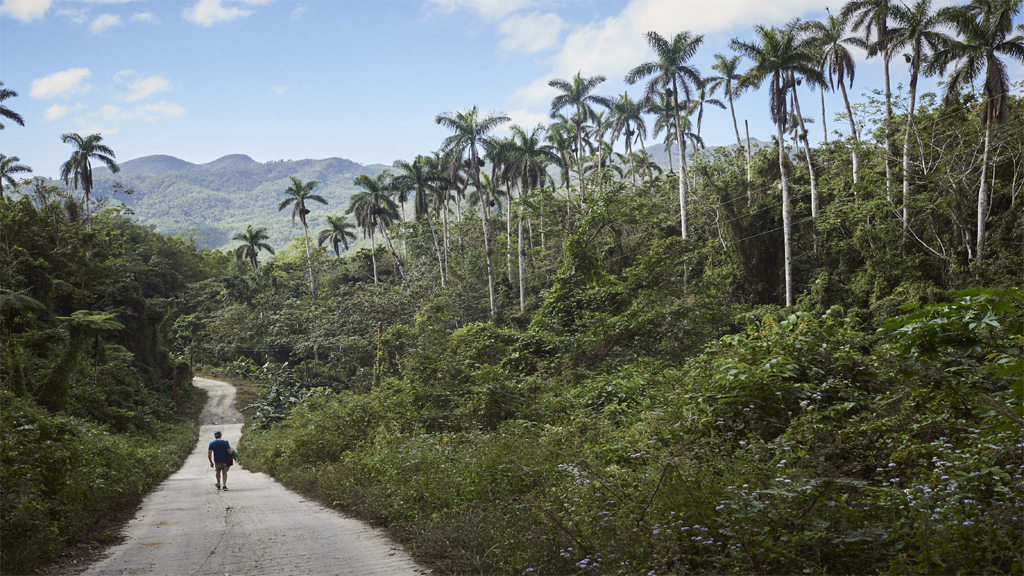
222,466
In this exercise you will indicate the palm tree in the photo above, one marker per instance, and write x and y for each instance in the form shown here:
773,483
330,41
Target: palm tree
422,177
9,166
252,242
529,159
628,119
672,74
577,94
985,27
77,171
916,31
777,58
836,62
298,194
464,147
873,16
338,233
374,208
702,98
728,80
6,112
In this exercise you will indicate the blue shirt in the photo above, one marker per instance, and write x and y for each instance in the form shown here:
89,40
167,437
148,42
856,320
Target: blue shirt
220,450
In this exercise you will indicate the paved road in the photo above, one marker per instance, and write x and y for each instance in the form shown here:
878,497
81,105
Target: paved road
187,526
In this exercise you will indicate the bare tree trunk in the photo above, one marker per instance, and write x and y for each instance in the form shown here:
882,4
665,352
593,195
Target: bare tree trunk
750,197
373,257
309,261
853,132
786,232
508,229
906,155
983,193
437,248
824,129
684,184
401,269
522,267
888,126
807,152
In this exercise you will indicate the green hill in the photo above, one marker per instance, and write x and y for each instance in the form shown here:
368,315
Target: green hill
220,198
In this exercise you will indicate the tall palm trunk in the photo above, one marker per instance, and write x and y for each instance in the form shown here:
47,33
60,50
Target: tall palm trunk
735,126
309,261
888,122
684,184
394,254
824,128
786,232
437,248
373,257
508,229
807,153
906,144
522,266
484,204
983,192
853,132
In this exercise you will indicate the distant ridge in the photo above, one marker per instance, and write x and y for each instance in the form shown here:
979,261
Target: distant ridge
229,161
219,199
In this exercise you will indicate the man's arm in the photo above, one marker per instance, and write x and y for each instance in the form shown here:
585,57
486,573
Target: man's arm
209,455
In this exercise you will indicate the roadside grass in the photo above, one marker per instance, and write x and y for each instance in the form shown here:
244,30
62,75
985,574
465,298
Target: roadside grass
69,485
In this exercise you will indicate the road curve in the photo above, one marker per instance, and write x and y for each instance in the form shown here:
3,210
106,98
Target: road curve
187,526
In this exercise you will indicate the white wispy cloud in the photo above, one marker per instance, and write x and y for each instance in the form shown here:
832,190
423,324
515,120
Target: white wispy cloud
109,119
61,84
297,12
74,15
144,17
145,87
616,44
25,10
103,22
281,89
55,111
209,12
531,33
490,10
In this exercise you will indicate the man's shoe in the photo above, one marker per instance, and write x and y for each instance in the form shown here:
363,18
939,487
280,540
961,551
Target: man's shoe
225,487
218,486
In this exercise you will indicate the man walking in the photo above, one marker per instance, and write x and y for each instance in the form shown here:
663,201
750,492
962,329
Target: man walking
218,454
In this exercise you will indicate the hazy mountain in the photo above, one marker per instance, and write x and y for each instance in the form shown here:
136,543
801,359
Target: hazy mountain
220,198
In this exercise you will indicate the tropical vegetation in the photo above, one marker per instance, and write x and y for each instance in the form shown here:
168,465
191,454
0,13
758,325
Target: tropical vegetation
763,360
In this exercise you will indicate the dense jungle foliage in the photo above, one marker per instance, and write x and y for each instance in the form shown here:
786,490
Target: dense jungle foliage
793,359
86,374
654,408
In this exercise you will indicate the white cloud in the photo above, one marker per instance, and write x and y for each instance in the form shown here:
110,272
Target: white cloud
490,10
209,12
109,118
157,111
54,112
144,17
104,21
61,84
297,12
613,46
74,15
530,34
145,87
25,10
281,89
526,119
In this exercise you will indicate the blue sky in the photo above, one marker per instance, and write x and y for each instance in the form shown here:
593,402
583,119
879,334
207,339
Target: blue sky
361,80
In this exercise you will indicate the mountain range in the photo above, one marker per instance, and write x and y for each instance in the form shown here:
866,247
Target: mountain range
216,200
219,199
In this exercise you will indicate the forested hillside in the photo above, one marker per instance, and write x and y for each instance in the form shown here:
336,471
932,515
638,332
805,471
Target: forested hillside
216,200
96,410
553,356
